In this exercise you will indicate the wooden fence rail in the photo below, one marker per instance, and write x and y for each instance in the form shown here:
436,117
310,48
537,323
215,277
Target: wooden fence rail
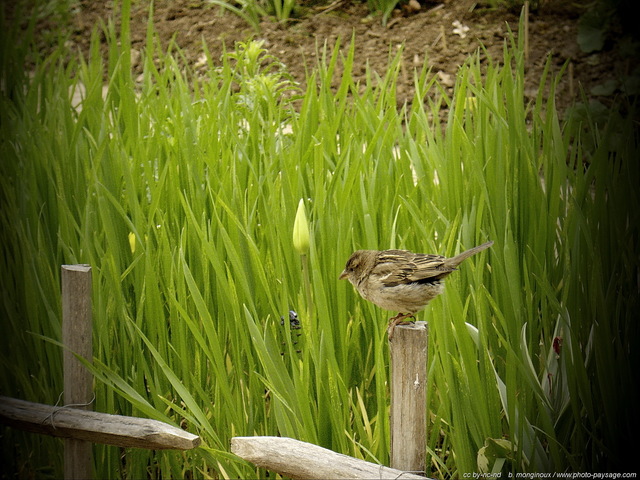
94,427
293,458
300,460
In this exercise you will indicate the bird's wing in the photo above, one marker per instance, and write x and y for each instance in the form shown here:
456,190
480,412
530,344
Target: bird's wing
396,267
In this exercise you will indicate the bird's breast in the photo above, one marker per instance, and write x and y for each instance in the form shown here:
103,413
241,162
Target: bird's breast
405,298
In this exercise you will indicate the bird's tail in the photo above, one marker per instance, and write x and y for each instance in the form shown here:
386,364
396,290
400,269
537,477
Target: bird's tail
453,262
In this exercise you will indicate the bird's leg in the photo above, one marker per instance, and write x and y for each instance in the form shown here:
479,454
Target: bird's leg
399,319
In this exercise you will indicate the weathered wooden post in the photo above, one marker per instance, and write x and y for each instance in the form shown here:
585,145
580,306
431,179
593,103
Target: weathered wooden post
78,382
408,414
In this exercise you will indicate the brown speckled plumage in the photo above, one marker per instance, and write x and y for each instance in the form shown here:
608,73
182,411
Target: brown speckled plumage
400,280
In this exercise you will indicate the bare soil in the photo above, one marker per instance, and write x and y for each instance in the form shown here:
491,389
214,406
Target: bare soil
426,34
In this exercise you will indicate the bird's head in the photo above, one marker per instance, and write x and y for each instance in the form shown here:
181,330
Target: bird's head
359,263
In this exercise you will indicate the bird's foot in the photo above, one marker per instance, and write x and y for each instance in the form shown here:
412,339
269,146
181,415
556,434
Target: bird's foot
398,320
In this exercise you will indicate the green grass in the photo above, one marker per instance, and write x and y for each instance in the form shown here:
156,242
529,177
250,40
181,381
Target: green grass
255,11
205,176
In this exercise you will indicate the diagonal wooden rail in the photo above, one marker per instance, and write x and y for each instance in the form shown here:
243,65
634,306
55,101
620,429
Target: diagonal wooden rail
94,427
301,460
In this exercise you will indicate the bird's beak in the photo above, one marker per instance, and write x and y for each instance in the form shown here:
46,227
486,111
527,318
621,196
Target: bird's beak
343,275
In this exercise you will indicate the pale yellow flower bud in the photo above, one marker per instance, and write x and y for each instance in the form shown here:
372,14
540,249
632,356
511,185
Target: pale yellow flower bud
301,230
132,242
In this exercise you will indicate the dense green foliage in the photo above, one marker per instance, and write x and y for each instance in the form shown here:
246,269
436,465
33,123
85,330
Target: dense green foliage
181,193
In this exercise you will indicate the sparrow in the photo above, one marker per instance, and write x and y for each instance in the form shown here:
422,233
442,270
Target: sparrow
400,280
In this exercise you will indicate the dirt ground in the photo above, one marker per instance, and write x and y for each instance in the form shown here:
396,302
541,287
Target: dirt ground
428,33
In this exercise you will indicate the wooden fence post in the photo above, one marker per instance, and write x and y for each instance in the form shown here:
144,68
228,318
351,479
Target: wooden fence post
78,382
408,414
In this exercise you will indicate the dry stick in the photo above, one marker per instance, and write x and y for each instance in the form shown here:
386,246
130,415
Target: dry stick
77,338
443,38
409,397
